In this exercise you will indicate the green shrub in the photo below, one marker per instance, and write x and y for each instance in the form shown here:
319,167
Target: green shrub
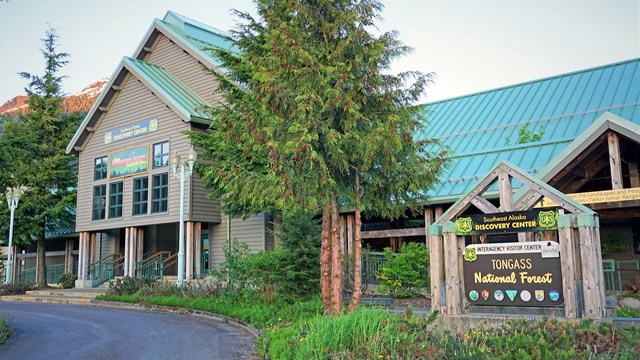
627,312
404,274
16,288
5,331
67,280
231,275
290,272
298,257
129,285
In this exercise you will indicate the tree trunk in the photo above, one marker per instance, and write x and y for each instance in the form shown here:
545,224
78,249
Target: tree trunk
41,273
357,252
336,259
325,259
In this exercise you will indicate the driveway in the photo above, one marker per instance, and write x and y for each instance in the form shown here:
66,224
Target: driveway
56,331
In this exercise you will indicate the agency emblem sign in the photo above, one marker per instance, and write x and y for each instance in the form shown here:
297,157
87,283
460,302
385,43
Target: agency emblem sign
513,274
507,222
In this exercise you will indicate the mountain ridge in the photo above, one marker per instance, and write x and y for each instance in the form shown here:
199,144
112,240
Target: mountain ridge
81,101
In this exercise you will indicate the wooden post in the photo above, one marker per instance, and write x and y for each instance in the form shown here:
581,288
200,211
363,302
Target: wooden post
68,256
634,175
463,299
197,248
125,265
92,248
568,267
428,221
451,269
614,161
436,270
132,251
591,261
188,273
140,246
80,256
506,192
349,229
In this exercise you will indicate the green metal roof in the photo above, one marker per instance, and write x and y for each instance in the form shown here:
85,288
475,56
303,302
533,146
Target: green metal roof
198,36
482,129
179,96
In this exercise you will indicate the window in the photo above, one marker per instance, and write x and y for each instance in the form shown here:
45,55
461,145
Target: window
140,196
115,200
99,202
160,154
160,193
100,168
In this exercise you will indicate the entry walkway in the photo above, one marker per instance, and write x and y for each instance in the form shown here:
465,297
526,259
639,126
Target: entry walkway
59,296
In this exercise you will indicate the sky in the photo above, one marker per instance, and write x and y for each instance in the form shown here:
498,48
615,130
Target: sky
470,45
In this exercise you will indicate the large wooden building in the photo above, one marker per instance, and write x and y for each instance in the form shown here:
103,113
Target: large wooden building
128,199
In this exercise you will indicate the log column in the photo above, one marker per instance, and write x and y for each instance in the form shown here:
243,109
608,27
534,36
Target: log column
451,269
436,267
68,256
592,272
568,266
197,248
188,264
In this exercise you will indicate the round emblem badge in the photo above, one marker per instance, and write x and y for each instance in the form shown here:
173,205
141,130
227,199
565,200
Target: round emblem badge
525,295
473,295
498,295
554,295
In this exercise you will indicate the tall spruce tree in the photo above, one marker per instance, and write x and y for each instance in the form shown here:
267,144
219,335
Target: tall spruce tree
37,159
311,116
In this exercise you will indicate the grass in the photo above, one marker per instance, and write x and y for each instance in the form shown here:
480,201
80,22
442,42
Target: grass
299,331
5,331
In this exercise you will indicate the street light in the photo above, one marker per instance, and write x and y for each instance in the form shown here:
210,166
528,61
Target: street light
176,162
13,197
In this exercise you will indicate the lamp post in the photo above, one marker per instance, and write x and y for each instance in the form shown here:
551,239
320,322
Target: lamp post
13,197
176,162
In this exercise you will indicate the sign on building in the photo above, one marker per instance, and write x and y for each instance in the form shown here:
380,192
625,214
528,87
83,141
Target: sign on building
130,131
507,222
129,162
513,274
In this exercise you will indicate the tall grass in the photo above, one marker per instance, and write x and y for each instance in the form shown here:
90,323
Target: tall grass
5,331
364,334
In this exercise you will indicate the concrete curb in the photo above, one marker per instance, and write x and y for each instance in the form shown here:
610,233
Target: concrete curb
178,310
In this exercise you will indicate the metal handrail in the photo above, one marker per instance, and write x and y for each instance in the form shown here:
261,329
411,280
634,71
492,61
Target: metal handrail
613,273
166,263
148,267
103,270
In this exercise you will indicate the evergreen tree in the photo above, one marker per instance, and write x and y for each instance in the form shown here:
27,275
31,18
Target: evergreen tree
310,115
37,158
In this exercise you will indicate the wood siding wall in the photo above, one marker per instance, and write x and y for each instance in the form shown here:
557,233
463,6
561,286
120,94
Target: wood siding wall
250,231
134,103
170,56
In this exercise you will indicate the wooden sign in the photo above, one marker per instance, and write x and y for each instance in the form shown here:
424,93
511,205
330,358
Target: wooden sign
130,131
507,222
513,274
597,197
129,162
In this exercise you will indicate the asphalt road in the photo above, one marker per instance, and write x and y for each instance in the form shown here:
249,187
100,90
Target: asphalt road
56,331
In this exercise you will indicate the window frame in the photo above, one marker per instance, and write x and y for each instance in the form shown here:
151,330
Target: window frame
161,155
100,170
140,197
95,209
116,199
159,203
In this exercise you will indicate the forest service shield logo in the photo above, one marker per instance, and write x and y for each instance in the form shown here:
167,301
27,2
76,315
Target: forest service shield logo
463,226
470,254
548,219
